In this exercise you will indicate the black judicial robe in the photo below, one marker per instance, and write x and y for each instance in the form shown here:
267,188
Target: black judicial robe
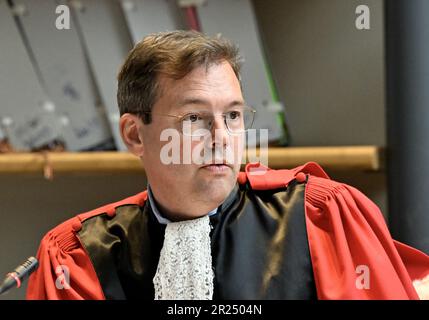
280,234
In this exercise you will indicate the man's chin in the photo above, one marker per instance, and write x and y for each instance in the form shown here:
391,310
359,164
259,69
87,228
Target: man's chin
217,186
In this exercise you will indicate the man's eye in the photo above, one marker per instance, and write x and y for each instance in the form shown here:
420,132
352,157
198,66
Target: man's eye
233,115
192,118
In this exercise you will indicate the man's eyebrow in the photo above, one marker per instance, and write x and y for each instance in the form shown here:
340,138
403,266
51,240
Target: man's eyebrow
189,101
198,101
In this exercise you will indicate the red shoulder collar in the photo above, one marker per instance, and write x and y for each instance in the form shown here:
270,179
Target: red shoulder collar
261,177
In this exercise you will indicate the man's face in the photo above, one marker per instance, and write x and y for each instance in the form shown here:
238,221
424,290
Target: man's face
191,189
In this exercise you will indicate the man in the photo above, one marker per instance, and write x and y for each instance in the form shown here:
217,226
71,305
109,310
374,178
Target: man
202,230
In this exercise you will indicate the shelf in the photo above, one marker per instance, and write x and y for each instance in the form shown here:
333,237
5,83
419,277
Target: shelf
362,158
366,158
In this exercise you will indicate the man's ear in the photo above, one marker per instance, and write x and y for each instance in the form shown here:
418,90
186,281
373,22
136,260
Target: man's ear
130,127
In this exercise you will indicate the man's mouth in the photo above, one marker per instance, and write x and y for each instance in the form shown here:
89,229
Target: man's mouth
217,167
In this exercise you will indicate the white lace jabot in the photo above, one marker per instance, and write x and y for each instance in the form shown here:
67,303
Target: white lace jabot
185,265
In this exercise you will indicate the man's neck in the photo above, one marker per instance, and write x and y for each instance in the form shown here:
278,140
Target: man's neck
164,216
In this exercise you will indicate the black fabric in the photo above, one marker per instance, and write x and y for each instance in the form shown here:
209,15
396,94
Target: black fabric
259,247
124,251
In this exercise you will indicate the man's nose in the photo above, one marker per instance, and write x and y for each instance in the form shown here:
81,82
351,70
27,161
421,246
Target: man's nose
219,132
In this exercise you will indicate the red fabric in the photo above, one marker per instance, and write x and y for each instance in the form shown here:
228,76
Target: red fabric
415,261
261,177
345,230
61,247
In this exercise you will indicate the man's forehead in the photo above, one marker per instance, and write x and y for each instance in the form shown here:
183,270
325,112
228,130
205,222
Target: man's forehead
216,86
195,94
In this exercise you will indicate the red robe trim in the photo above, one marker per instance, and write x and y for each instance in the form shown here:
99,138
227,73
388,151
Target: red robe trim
352,252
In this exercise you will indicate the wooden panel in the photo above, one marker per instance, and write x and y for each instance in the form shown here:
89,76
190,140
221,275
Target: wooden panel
366,158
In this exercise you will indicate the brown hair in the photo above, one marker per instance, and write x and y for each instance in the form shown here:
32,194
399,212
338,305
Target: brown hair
174,54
